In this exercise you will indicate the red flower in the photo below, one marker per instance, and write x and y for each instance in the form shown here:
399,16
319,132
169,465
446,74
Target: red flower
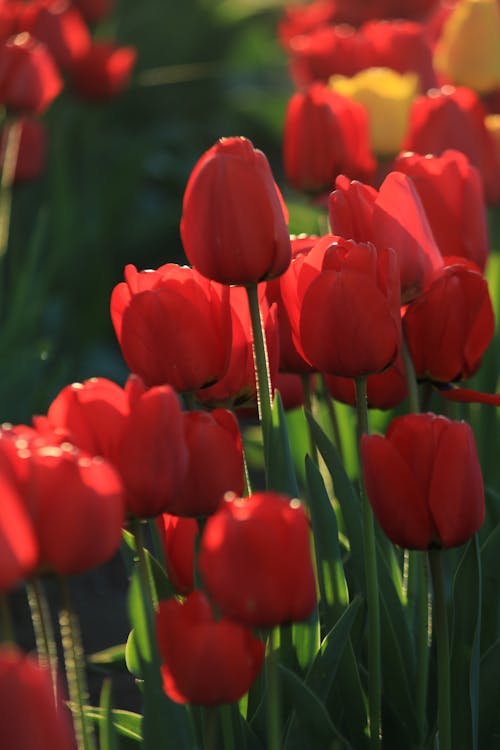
394,217
234,221
103,71
255,560
238,388
451,192
173,326
32,149
205,661
453,118
30,719
325,134
215,462
178,537
345,318
60,27
29,79
94,10
450,325
424,482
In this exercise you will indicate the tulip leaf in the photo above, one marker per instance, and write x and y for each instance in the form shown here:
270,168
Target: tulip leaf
280,470
465,653
166,724
311,727
114,656
489,697
160,584
334,594
490,563
347,497
107,731
126,723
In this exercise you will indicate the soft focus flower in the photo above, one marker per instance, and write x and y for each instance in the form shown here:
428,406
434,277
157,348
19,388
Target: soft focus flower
255,560
325,134
234,220
94,10
215,462
392,217
32,154
204,661
451,192
347,321
30,719
424,481
103,71
385,390
58,25
492,123
450,325
178,537
29,79
173,326
454,118
387,97
468,51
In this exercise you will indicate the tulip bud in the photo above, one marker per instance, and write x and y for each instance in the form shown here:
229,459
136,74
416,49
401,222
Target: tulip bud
29,79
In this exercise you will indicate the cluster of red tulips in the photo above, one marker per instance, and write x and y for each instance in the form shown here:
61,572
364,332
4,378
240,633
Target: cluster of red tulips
389,309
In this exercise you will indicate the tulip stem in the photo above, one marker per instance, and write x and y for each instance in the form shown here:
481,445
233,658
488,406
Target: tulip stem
273,693
261,363
410,377
308,406
443,649
12,136
332,416
74,663
424,629
227,726
42,626
142,563
371,575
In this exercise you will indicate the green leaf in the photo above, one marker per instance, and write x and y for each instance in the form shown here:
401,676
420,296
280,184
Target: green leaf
489,716
114,656
347,497
126,723
334,595
464,652
490,563
280,469
107,732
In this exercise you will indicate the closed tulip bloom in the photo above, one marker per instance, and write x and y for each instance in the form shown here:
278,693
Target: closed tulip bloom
29,79
350,322
424,482
468,53
178,536
103,71
255,560
451,192
325,134
234,220
392,217
205,661
58,25
173,326
450,325
30,719
214,464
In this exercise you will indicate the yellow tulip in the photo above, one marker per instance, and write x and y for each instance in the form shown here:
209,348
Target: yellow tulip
468,51
387,96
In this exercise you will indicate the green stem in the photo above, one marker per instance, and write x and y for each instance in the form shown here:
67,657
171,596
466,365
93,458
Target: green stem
410,377
332,416
227,726
137,531
371,575
443,649
6,621
273,694
42,627
12,130
261,363
74,663
424,630
308,406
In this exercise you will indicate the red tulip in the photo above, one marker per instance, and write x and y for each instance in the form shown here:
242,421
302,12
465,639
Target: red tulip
29,79
450,325
255,560
173,326
103,71
234,220
94,10
178,536
451,192
453,118
32,154
424,481
205,661
30,719
394,217
58,25
325,134
214,465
